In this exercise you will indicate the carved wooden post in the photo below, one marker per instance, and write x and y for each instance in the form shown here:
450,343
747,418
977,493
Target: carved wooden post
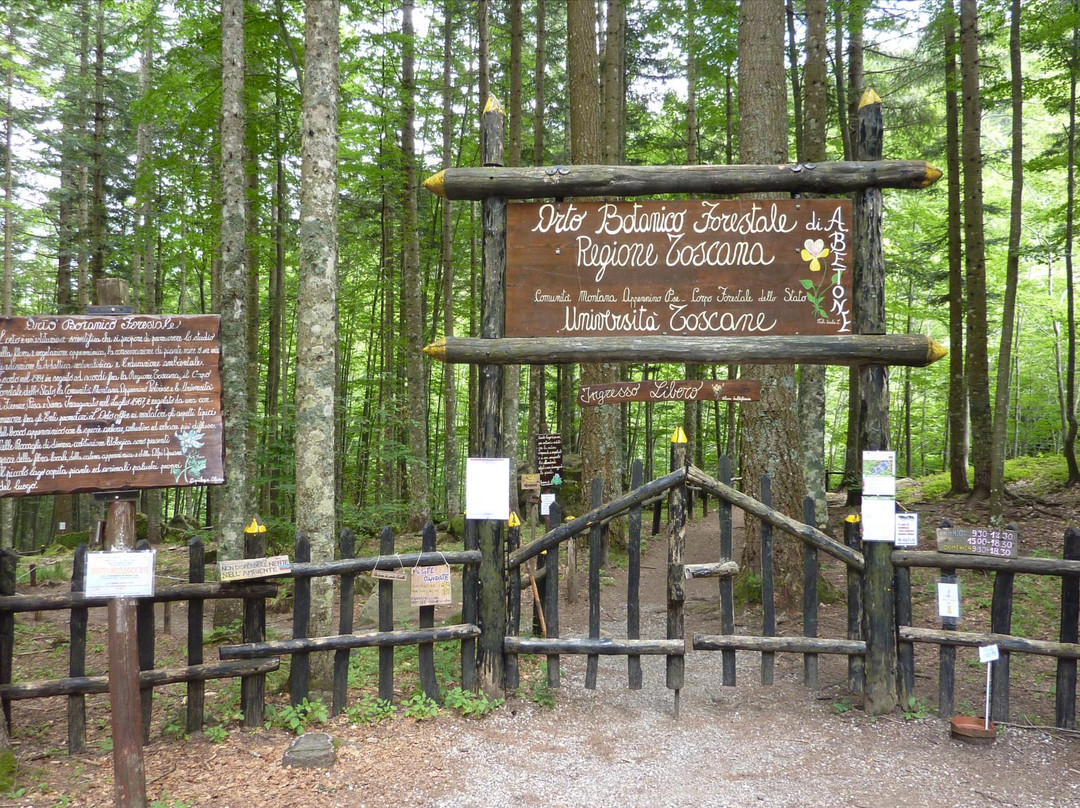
869,298
490,660
676,547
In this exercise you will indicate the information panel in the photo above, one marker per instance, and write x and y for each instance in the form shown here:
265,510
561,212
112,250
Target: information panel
977,540
689,268
103,403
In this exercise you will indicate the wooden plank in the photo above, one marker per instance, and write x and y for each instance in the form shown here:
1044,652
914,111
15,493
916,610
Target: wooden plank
716,569
345,566
594,395
633,579
513,622
253,688
551,605
602,180
772,645
676,594
810,596
727,586
145,631
76,708
595,562
793,527
946,659
768,591
215,591
426,651
1001,623
300,669
912,350
905,651
1024,564
347,544
1065,692
386,621
196,690
853,539
372,639
1006,642
470,579
9,561
593,646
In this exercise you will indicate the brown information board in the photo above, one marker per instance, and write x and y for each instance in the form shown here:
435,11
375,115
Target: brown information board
688,268
104,403
978,540
549,459
593,395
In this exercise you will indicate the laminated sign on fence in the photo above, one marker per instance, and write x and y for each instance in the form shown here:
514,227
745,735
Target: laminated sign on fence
431,586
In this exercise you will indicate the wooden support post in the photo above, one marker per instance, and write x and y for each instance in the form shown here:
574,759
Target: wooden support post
345,625
905,651
1065,698
426,651
253,688
129,775
856,664
145,631
300,669
657,516
810,597
676,548
386,621
196,691
77,656
470,579
513,602
490,659
551,607
633,580
595,560
727,586
1001,623
768,587
947,660
869,311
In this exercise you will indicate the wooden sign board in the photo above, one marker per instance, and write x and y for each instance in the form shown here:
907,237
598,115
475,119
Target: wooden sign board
431,586
244,568
549,459
689,268
120,575
593,395
105,403
978,540
530,482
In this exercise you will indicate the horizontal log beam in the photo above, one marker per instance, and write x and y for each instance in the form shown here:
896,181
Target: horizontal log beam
718,569
914,350
603,647
1006,642
967,561
69,600
75,685
602,514
795,645
808,533
593,180
346,566
462,631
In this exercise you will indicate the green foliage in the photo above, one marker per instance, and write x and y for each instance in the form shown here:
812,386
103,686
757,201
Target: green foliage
472,705
370,710
917,709
216,734
297,719
165,802
9,768
842,705
421,708
747,589
229,633
543,695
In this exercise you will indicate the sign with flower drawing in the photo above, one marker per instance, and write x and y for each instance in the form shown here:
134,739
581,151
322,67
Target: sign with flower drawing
105,403
675,267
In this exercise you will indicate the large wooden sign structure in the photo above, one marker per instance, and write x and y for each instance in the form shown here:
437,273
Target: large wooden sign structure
106,403
687,268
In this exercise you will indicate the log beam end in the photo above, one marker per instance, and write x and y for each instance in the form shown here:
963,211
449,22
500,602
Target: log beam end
437,350
436,183
933,174
935,351
869,97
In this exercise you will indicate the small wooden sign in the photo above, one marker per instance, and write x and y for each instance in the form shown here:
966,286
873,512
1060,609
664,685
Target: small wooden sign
431,586
530,482
390,575
549,459
244,568
106,403
593,395
978,540
679,267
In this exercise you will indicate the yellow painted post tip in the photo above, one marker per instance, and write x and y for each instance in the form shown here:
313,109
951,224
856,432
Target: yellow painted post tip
514,520
852,517
493,105
437,350
936,351
933,174
256,526
679,436
436,183
869,97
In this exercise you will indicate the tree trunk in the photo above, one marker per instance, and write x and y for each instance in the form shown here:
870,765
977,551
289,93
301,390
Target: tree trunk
770,426
978,366
450,445
512,373
1070,295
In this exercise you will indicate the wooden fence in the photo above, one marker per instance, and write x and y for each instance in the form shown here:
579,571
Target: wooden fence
254,657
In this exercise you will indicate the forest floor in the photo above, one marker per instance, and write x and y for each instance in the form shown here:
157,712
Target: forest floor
779,745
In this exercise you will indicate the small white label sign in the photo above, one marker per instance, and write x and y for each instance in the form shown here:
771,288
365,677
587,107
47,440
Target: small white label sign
546,501
431,586
989,653
948,600
120,574
878,518
907,530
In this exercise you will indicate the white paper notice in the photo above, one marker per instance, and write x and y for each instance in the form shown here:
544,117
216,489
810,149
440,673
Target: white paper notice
879,474
989,653
546,501
907,530
120,575
948,600
878,518
487,488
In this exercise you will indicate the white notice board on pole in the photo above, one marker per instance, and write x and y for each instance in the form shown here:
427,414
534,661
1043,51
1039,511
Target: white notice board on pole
120,574
487,488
